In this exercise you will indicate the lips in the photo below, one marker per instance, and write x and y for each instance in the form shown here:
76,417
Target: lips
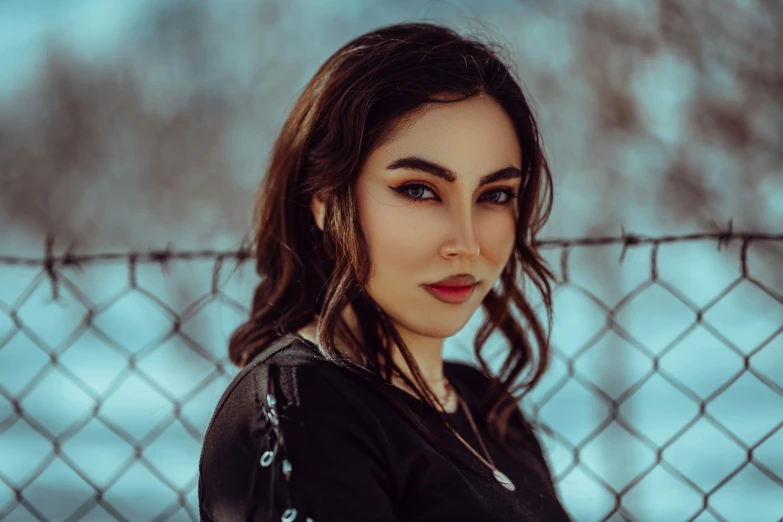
460,280
451,294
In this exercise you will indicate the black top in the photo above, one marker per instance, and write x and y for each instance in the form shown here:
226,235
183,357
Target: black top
338,451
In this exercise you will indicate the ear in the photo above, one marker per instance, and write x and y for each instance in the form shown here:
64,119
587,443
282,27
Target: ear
318,207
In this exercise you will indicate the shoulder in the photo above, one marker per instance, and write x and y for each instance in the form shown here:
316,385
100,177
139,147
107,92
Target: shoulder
291,377
289,398
284,369
301,380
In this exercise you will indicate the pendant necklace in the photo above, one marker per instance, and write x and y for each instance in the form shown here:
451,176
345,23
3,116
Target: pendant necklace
499,476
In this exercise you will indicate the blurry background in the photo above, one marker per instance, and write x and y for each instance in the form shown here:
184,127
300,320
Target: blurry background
130,126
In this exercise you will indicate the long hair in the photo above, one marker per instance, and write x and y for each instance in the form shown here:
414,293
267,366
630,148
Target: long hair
355,102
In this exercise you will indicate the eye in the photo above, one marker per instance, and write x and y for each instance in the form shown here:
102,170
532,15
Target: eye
413,191
410,190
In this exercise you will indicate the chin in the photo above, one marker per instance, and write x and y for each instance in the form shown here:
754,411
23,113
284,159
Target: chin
442,330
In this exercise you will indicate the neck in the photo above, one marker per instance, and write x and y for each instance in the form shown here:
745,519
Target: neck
426,351
427,354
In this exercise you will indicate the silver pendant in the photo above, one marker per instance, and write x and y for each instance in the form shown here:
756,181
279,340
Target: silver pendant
504,480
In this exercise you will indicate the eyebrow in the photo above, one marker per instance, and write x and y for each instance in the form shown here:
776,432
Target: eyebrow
439,171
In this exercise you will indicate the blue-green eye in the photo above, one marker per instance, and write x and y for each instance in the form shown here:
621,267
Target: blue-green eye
408,190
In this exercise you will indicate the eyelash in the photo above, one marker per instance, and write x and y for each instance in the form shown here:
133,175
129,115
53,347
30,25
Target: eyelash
401,190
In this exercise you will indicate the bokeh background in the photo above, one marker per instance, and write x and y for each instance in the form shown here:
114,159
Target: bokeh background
138,126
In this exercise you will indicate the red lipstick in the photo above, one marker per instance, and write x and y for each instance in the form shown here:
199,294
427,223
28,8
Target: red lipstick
451,294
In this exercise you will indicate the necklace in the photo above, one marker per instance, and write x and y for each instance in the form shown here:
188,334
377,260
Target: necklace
499,476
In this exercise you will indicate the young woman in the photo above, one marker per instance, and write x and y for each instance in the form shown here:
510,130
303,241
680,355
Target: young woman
404,191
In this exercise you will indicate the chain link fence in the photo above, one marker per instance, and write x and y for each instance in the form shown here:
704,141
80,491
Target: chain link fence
664,399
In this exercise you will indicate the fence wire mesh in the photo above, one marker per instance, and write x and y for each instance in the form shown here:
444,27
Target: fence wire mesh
664,400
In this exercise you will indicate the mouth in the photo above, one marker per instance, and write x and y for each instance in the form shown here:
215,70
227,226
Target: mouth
451,294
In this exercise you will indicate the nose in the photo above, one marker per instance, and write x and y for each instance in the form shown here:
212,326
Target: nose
463,241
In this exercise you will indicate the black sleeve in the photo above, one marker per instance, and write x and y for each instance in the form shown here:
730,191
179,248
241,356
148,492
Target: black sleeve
323,452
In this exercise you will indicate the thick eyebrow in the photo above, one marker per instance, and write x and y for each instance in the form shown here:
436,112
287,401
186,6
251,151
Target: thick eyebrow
422,165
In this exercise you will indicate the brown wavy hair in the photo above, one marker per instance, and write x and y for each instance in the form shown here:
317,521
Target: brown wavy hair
355,102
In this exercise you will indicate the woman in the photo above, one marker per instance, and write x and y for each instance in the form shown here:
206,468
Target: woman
407,182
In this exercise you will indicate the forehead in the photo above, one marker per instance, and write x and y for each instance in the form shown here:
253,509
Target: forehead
465,135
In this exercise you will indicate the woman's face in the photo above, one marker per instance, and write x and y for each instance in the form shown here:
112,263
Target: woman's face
456,226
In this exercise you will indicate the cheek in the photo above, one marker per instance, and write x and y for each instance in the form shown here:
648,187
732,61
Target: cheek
498,229
395,236
497,236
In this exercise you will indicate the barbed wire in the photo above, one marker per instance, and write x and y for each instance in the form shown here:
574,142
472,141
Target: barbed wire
51,262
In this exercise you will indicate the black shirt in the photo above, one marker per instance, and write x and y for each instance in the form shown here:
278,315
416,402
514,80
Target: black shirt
336,451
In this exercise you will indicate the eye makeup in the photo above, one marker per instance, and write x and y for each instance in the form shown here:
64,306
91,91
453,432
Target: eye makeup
405,189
